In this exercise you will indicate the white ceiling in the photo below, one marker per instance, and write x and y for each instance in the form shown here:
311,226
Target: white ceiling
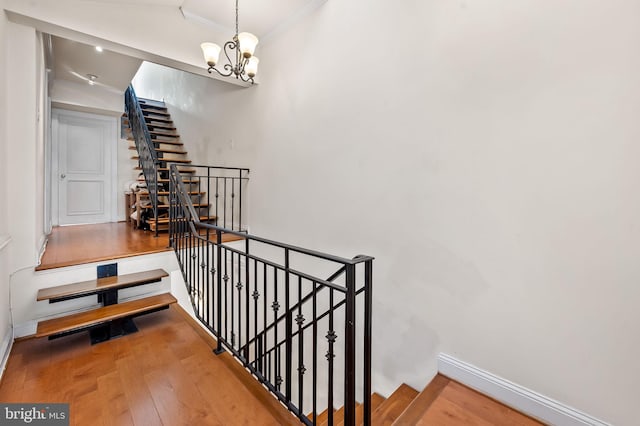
259,17
73,61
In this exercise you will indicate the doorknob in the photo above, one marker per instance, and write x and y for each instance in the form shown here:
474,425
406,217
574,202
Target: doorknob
62,176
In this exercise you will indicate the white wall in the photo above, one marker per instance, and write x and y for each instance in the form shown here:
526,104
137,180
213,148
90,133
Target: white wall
498,140
190,99
486,154
42,122
5,315
22,149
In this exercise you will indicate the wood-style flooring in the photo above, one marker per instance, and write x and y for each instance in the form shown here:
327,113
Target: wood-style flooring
78,244
166,374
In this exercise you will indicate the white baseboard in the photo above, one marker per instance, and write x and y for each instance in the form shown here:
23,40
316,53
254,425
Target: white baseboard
514,395
25,329
5,349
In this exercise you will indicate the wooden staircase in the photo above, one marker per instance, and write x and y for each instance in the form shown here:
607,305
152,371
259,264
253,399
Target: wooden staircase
444,402
110,320
168,148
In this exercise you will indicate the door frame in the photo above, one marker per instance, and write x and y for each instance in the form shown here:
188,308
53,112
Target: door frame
112,145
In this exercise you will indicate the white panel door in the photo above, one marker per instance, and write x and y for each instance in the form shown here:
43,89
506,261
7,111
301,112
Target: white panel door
84,168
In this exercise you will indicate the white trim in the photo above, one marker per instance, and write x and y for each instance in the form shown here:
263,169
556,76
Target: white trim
28,328
514,395
113,214
42,245
5,349
4,241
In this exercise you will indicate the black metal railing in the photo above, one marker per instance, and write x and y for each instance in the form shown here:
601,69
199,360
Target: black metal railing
306,338
216,194
147,156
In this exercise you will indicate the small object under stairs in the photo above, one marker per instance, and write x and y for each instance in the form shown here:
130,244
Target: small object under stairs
113,318
444,402
169,149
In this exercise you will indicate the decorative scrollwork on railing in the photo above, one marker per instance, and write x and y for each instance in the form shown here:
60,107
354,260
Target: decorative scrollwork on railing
276,316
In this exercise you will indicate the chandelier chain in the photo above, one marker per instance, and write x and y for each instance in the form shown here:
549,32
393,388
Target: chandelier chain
236,18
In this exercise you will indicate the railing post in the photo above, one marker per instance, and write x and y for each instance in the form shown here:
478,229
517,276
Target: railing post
368,319
219,349
288,328
350,348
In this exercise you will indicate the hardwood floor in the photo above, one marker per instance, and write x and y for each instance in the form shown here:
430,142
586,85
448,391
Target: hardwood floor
78,244
166,374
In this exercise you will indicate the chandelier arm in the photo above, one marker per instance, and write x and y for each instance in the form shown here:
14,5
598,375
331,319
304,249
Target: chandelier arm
230,45
230,69
219,72
246,79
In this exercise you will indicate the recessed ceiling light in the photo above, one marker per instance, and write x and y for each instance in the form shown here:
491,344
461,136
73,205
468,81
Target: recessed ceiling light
99,49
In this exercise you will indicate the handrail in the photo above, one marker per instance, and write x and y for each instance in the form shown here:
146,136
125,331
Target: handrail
286,325
147,156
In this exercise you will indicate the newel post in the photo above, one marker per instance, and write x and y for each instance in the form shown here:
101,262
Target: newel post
350,348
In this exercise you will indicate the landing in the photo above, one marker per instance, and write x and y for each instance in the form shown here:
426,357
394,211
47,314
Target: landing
78,244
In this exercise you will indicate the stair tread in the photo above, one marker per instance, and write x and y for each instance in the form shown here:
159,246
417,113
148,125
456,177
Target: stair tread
171,135
359,416
165,160
190,192
145,108
166,169
161,126
183,180
167,142
86,288
338,417
393,406
103,314
166,206
145,100
166,150
376,400
166,219
147,119
459,404
416,409
154,107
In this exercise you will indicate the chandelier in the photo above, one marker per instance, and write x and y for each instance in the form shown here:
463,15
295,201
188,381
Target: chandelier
245,66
